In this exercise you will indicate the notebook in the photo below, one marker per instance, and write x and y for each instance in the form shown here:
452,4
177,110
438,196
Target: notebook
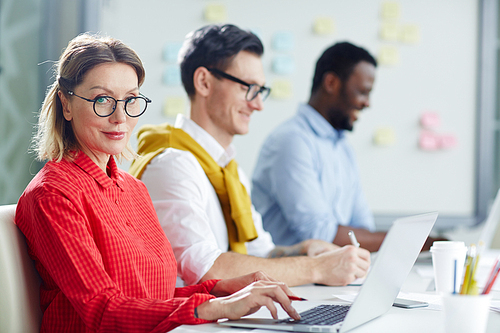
395,259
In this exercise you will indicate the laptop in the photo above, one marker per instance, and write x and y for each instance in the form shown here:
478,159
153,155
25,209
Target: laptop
395,259
490,233
487,231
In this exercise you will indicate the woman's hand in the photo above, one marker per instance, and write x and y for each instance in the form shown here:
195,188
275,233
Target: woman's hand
248,300
230,286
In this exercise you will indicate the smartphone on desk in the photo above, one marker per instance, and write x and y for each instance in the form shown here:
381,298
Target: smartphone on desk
409,304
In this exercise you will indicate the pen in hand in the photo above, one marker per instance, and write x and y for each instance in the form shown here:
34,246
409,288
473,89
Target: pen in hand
296,298
353,239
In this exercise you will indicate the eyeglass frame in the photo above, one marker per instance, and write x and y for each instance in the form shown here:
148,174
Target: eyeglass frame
248,85
72,93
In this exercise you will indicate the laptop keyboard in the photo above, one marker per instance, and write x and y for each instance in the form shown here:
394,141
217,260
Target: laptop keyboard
325,314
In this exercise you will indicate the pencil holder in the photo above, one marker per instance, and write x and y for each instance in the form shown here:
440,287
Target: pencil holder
466,313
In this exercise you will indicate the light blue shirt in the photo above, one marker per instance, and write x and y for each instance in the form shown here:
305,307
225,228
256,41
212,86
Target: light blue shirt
306,181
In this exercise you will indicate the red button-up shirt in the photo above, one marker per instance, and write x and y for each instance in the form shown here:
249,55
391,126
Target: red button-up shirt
105,262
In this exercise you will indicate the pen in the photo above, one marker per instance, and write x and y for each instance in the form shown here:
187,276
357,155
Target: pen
296,298
455,277
353,239
468,266
491,279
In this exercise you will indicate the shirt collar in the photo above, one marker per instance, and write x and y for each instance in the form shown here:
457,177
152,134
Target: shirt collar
319,124
87,165
206,141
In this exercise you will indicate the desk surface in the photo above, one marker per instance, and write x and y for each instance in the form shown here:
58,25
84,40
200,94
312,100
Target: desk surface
395,320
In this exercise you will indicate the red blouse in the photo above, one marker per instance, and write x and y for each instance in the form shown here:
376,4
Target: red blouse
105,262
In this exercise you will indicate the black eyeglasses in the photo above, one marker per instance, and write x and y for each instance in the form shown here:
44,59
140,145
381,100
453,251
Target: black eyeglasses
104,106
253,89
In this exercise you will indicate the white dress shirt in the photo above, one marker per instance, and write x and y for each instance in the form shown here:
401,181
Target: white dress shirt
188,207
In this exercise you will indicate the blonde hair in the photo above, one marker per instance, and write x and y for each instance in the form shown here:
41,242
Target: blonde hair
55,139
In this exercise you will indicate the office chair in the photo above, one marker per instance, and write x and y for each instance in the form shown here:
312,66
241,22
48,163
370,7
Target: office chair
19,280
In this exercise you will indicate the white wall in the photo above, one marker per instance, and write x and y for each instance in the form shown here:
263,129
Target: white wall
438,73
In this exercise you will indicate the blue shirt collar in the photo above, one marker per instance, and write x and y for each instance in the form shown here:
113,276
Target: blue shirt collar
319,124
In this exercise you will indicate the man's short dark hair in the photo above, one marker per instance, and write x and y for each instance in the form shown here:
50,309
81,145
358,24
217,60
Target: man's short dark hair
214,46
340,59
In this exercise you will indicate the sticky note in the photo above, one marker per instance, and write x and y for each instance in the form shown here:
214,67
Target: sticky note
391,10
172,75
283,65
389,31
410,34
281,89
174,105
429,141
430,120
215,13
170,51
448,141
388,55
384,136
283,41
323,26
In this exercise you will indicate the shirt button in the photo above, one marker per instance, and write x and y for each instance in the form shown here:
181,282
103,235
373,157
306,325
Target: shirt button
116,202
129,224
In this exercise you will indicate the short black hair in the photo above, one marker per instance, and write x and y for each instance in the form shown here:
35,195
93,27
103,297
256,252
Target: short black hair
340,59
214,46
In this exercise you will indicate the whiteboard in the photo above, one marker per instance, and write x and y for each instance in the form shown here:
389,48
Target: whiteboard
437,74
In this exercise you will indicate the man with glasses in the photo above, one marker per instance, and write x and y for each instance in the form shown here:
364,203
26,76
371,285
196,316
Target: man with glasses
199,193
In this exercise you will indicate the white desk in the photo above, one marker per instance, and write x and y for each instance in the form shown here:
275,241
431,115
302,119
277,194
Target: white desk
395,320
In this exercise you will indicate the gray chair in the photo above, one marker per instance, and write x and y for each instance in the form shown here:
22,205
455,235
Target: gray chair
19,280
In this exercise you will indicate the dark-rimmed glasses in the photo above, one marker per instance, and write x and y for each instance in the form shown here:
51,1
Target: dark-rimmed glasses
253,89
105,106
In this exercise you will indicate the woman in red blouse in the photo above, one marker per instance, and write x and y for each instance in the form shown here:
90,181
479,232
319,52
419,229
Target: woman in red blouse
91,228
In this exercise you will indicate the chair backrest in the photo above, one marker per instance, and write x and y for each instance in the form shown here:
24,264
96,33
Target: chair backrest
19,280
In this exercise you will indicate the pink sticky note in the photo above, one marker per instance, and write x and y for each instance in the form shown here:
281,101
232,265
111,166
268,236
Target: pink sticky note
430,120
447,141
428,141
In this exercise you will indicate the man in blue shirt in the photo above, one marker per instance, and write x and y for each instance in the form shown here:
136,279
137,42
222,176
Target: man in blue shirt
306,183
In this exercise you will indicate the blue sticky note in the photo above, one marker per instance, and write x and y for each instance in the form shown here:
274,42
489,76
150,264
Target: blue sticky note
172,75
283,65
283,41
171,50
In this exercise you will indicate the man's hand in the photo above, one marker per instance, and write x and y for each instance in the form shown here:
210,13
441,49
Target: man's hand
313,247
342,266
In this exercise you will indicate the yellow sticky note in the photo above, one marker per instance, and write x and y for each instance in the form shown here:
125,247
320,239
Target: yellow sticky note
281,89
391,10
410,33
323,26
389,31
215,13
384,136
173,106
388,55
